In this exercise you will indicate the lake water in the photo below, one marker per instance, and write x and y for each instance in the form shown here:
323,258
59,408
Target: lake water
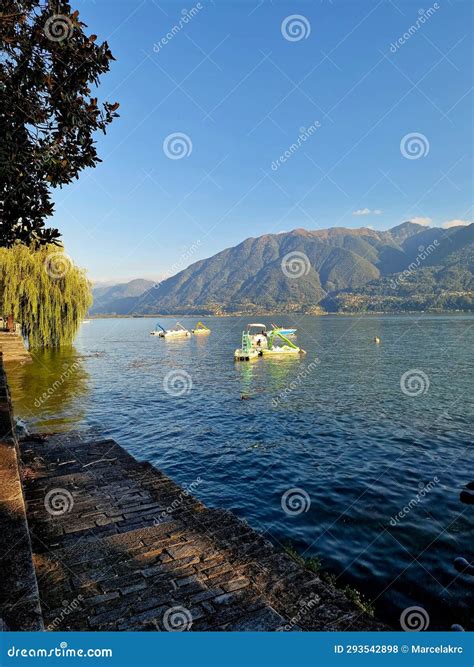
335,425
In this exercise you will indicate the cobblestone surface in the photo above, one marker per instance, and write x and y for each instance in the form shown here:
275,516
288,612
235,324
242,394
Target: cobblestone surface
120,546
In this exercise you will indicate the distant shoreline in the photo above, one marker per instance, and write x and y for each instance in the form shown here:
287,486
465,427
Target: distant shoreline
279,314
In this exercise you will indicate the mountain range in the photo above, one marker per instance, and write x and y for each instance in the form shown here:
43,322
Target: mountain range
119,299
408,267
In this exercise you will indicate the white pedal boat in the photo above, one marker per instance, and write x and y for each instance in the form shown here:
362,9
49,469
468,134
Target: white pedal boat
178,331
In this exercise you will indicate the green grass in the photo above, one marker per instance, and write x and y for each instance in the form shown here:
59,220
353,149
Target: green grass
359,600
314,565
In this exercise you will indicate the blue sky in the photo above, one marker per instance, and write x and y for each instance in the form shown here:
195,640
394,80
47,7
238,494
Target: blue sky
244,85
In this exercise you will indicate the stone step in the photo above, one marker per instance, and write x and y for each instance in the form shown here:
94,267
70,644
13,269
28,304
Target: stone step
13,349
119,546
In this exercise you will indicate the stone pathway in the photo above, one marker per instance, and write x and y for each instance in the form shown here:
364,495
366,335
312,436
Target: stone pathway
117,545
13,348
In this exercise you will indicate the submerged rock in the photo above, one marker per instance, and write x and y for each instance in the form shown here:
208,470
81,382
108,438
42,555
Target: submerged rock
462,565
466,497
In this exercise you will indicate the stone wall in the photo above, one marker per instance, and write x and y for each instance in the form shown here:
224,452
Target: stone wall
19,599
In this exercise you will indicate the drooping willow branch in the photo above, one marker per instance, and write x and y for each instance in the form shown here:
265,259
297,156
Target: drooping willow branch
45,292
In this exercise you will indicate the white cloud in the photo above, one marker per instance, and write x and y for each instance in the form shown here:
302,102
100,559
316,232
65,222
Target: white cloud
421,221
455,223
367,211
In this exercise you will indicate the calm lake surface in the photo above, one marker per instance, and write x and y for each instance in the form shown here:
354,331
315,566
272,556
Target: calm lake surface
334,424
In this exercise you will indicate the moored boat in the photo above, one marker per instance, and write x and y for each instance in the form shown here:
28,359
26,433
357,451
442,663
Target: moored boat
284,330
247,352
257,334
178,331
287,348
200,329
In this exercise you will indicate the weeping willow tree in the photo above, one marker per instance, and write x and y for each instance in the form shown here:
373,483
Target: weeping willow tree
45,292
